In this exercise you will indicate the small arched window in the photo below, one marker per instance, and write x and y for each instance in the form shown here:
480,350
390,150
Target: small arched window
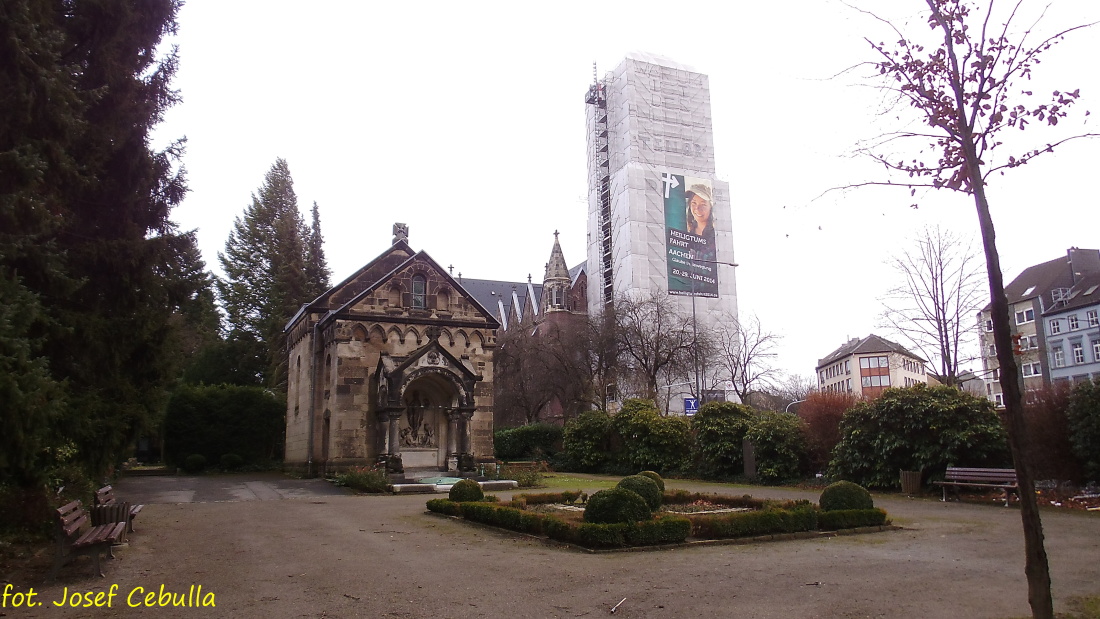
418,292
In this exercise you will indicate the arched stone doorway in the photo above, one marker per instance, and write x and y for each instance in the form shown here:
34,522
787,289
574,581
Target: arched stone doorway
424,405
424,432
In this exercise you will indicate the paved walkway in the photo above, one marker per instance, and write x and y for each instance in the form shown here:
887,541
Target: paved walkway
223,488
268,546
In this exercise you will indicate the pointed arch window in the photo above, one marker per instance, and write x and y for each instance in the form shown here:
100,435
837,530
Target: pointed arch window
419,286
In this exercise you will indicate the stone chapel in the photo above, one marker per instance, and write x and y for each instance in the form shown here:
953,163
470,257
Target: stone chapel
392,365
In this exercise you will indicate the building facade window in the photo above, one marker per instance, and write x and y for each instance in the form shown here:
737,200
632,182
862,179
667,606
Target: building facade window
1078,353
1059,357
999,400
419,284
1096,351
1025,316
989,325
1094,320
1072,320
1055,326
1032,369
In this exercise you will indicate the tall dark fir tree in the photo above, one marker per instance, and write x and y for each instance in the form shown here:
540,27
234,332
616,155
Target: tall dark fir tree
88,255
272,265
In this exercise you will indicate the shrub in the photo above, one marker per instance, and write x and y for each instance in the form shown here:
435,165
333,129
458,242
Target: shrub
850,519
1084,423
720,429
821,413
667,530
536,440
779,444
645,487
748,524
918,428
194,463
1048,447
231,462
466,490
444,506
525,478
844,495
586,443
568,496
643,439
616,505
655,477
364,479
224,419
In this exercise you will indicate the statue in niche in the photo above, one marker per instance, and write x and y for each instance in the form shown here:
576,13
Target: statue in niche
383,391
418,433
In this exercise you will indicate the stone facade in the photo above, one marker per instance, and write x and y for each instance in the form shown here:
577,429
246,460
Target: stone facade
392,365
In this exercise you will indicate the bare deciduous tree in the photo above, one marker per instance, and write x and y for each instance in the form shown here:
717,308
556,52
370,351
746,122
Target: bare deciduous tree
655,340
965,87
935,304
744,352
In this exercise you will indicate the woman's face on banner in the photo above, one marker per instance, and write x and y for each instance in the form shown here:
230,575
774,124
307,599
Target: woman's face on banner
700,209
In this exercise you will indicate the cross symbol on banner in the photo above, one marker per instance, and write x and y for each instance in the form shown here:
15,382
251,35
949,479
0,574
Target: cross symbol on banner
669,182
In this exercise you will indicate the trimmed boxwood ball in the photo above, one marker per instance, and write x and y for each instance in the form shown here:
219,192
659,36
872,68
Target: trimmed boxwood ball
655,477
646,487
616,505
466,490
845,495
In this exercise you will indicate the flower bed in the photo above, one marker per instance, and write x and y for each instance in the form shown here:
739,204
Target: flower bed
684,515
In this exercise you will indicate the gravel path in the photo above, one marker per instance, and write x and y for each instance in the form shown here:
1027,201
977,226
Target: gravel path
267,546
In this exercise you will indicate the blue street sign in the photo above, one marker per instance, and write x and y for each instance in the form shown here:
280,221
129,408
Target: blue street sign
691,406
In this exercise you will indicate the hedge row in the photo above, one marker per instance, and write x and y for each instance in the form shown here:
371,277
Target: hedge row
639,437
663,530
749,524
668,529
542,498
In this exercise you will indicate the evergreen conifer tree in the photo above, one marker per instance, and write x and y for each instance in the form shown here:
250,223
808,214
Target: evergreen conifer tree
268,262
88,254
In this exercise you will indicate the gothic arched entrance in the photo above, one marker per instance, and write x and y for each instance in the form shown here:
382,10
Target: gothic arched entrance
423,410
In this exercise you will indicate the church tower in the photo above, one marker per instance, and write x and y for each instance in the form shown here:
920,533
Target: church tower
556,283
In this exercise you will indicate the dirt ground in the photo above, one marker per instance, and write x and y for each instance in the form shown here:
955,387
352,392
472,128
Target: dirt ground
267,546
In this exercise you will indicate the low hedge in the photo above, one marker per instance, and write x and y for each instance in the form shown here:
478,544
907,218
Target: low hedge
850,519
666,530
798,516
540,498
683,497
749,524
444,506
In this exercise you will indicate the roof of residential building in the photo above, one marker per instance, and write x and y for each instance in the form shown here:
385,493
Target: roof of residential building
1085,293
1062,272
870,344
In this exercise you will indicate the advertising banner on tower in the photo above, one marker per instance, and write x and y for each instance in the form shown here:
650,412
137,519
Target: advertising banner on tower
689,235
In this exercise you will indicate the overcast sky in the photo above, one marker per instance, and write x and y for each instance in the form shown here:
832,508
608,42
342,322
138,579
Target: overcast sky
467,122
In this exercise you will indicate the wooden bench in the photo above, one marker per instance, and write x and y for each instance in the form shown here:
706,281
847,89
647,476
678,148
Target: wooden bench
1002,479
109,509
77,536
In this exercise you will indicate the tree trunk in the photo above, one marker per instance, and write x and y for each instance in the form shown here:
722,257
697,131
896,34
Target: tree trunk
1035,568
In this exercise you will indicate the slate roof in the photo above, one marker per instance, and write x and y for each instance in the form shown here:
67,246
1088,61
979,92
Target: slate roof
1040,279
1085,293
870,344
576,271
488,291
